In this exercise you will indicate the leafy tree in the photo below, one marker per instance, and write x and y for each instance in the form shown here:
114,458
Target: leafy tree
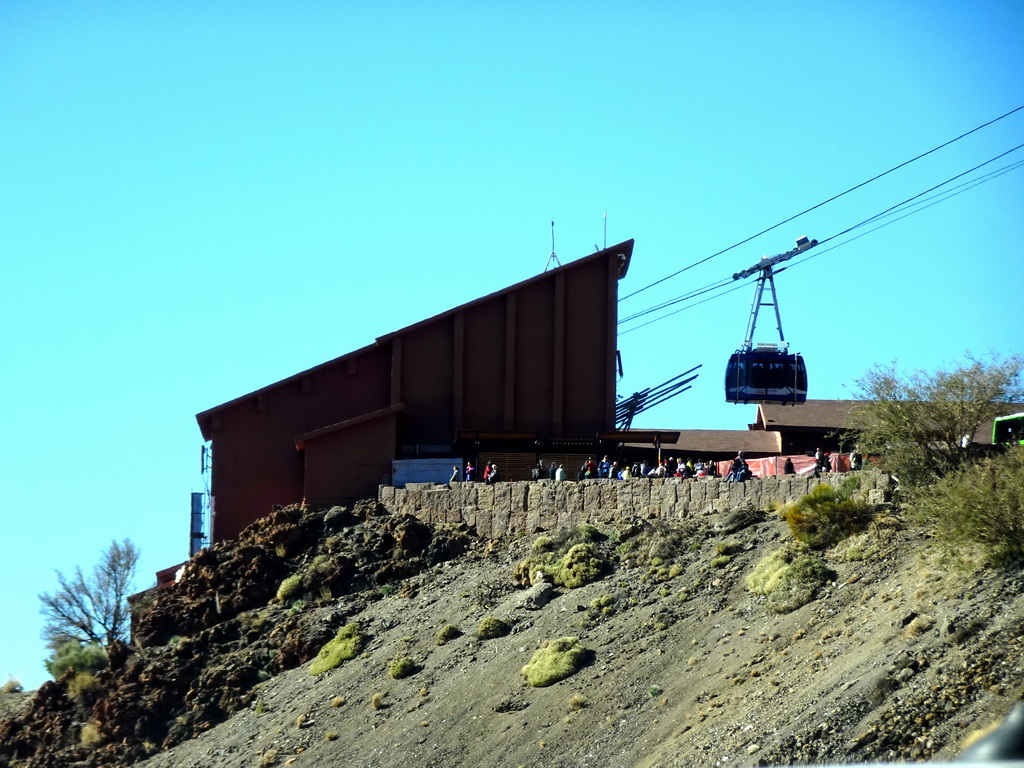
93,608
921,423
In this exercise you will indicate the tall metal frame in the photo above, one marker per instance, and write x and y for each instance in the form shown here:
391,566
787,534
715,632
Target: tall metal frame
768,276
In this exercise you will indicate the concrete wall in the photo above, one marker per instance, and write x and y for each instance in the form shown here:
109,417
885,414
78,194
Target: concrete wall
510,508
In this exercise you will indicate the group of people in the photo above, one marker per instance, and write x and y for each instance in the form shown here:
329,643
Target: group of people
491,474
739,470
606,469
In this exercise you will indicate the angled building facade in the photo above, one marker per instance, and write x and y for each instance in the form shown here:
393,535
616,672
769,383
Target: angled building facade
526,370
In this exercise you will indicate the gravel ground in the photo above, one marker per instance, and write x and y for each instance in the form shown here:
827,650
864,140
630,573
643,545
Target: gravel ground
898,658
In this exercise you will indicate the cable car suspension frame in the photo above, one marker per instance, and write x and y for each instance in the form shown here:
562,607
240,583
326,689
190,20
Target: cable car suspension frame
767,372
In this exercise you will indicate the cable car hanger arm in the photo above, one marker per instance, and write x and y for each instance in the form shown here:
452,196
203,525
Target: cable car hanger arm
767,262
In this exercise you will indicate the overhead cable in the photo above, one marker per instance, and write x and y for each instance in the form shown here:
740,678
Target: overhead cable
823,202
919,194
909,206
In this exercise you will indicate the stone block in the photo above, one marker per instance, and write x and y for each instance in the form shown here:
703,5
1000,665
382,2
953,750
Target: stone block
481,520
697,492
641,495
519,497
502,509
609,495
517,523
485,496
624,496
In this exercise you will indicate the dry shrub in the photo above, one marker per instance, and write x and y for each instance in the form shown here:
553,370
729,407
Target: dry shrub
827,515
918,625
789,577
82,684
90,735
981,504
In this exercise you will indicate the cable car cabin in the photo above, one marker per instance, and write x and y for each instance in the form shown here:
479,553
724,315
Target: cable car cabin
766,377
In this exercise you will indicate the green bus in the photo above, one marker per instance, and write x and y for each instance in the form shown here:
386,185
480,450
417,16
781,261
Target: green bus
1008,430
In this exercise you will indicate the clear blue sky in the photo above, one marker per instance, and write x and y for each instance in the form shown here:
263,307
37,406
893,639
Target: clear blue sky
198,199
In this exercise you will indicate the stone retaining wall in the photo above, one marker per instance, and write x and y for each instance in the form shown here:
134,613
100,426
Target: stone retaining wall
510,508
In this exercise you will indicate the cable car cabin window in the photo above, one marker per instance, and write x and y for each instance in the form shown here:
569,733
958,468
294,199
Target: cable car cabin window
765,377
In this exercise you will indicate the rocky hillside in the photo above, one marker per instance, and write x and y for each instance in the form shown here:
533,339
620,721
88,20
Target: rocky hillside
876,650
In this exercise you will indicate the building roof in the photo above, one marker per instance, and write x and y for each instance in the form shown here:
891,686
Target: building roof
813,414
703,441
301,440
203,416
624,249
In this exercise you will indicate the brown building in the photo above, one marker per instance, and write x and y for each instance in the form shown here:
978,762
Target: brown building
528,372
806,427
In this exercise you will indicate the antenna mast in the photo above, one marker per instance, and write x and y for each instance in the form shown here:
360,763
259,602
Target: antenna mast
552,257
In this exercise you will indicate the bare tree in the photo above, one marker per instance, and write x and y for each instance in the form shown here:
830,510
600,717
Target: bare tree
93,608
922,423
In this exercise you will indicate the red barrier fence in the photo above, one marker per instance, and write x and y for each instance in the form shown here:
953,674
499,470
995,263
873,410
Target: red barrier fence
773,465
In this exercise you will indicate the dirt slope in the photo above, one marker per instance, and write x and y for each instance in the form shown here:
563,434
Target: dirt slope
897,657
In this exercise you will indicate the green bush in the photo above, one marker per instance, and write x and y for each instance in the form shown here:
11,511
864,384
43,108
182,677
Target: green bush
83,657
981,504
589,532
542,544
448,633
827,515
556,660
402,667
727,547
790,578
289,587
580,565
346,645
492,627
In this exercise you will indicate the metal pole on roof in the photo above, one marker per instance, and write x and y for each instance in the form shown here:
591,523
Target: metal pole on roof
552,257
